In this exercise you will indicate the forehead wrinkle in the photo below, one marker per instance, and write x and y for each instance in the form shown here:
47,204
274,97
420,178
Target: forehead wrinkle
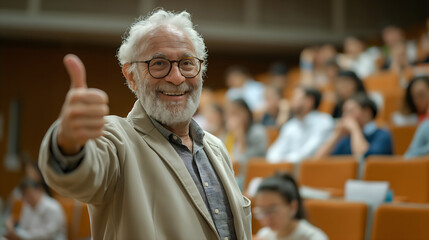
168,36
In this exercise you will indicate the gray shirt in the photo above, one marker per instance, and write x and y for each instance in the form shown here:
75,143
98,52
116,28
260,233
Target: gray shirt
204,176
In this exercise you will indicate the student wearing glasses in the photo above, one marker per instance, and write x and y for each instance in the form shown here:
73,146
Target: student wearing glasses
278,207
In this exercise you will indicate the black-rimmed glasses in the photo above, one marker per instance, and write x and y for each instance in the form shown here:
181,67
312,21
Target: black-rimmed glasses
160,67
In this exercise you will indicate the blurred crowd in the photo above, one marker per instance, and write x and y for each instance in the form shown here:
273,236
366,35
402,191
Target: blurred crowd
333,103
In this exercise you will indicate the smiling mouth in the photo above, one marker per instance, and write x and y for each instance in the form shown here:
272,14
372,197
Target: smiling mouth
174,94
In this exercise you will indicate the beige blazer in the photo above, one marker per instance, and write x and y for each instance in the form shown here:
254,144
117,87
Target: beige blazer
137,186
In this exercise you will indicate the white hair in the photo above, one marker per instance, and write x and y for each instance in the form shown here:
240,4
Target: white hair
130,49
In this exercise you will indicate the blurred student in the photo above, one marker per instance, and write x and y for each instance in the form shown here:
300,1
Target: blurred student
276,108
42,217
347,84
416,103
304,133
279,207
312,65
278,75
245,139
419,147
357,58
357,133
391,35
241,85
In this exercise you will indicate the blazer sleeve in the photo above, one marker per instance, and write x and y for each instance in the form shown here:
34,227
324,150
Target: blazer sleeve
93,179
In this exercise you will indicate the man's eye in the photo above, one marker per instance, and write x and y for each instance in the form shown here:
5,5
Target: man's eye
188,62
158,63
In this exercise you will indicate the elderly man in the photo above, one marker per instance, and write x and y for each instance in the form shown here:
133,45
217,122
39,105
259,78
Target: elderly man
154,174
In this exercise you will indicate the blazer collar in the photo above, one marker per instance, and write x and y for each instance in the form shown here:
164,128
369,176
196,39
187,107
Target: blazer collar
142,123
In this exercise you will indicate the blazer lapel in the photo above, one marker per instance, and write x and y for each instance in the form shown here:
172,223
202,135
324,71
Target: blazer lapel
215,157
141,122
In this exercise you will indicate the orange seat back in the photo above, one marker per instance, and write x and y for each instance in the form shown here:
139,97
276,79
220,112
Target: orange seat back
16,210
272,134
402,137
408,179
84,231
259,167
332,172
338,219
236,168
382,81
69,208
392,102
397,222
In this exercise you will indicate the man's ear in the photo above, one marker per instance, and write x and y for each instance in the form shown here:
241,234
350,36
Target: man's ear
129,75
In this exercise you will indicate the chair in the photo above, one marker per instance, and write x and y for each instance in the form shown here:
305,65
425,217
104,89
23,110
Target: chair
338,219
392,101
259,167
408,179
236,168
16,210
69,209
329,173
403,221
272,134
382,81
402,137
84,227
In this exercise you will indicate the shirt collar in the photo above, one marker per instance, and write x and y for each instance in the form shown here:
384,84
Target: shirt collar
197,134
369,128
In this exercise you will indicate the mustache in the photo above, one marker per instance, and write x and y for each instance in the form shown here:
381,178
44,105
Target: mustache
168,87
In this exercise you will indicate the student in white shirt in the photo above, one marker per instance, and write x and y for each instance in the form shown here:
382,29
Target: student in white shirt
304,133
278,207
42,217
241,85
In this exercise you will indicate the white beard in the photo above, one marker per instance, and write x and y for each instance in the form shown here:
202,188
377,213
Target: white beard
173,112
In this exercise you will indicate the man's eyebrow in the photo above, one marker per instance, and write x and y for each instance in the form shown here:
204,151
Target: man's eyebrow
157,55
187,55
162,55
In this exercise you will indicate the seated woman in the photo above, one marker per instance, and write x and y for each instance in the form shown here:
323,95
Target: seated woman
278,207
244,139
415,104
356,133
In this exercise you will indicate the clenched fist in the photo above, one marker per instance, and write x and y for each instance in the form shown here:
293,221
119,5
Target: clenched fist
82,115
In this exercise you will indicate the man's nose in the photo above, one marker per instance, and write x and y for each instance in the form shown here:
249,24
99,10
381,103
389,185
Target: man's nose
175,77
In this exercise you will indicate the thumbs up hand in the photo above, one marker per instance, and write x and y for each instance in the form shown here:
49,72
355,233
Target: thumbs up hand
82,114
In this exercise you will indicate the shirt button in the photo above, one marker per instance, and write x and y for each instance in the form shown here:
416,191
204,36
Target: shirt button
206,184
216,211
225,238
175,137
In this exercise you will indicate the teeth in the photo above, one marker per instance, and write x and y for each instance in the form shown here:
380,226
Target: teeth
173,94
